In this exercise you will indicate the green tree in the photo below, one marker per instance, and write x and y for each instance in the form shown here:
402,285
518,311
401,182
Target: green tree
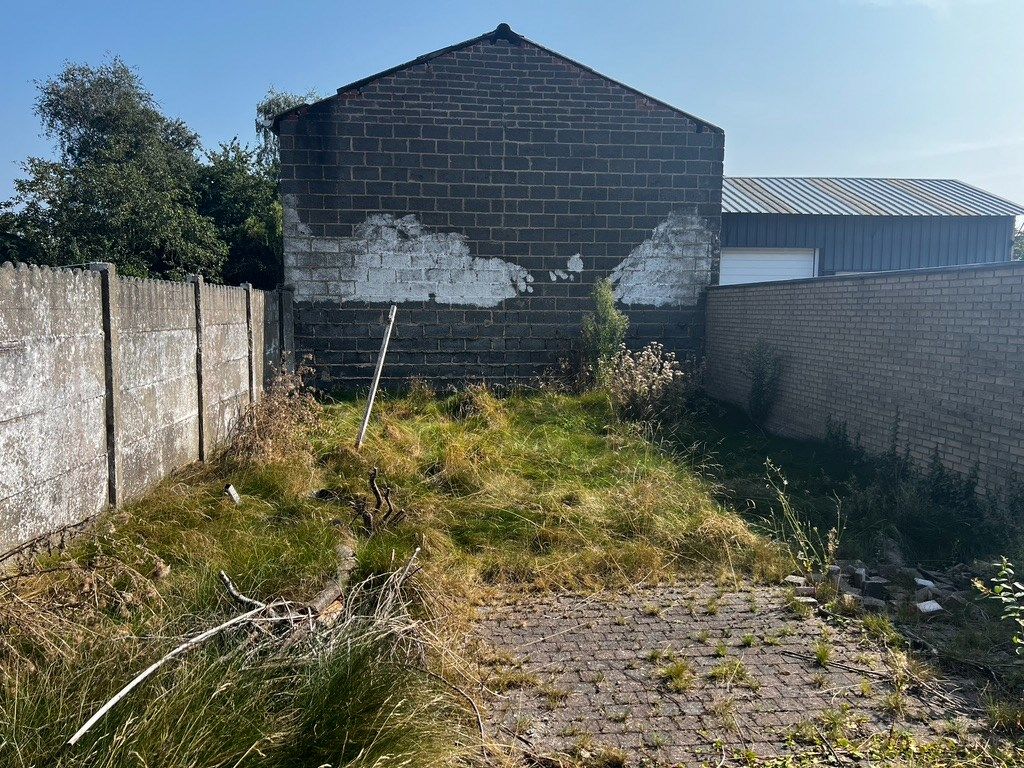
1018,244
238,190
273,104
239,194
122,186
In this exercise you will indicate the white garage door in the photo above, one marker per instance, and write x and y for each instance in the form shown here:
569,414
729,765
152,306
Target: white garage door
758,265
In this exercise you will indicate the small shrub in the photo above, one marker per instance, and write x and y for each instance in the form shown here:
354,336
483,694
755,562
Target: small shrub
604,331
276,427
763,366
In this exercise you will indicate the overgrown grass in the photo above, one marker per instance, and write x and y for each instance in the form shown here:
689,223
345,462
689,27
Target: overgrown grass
541,490
535,491
220,707
84,632
78,625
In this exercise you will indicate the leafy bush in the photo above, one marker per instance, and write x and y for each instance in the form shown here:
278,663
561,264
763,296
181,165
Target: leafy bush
763,366
604,331
1010,592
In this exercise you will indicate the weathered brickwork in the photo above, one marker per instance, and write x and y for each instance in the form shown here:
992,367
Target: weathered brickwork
938,352
485,191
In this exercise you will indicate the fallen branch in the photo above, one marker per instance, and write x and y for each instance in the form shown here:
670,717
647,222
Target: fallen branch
828,744
237,596
466,696
376,490
291,612
379,518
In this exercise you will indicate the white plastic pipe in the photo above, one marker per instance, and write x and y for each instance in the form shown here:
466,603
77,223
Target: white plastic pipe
376,377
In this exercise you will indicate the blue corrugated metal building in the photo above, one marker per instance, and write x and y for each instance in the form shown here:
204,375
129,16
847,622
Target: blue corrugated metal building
786,228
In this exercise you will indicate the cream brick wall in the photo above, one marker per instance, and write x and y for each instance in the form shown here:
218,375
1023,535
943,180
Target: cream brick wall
939,350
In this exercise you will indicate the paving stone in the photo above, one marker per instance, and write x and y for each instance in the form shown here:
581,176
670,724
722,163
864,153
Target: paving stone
599,651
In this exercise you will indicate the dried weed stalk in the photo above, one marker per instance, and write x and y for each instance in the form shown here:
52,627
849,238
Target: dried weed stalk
277,426
642,384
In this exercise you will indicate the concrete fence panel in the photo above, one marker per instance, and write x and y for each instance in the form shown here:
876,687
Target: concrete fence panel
108,384
159,423
225,340
53,453
936,354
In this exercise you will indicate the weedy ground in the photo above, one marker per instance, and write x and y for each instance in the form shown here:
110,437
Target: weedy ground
542,491
534,491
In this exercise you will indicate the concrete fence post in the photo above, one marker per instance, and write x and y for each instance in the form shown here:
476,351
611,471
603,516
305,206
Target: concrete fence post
249,335
110,296
197,282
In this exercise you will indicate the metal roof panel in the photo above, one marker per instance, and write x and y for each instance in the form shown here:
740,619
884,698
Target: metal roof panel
827,196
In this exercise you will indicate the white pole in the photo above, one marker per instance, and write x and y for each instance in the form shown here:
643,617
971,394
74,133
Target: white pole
376,377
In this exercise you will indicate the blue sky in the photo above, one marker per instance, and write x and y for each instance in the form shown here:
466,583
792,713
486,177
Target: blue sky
814,87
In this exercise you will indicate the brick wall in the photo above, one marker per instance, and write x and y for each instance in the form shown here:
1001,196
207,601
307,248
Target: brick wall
485,191
941,351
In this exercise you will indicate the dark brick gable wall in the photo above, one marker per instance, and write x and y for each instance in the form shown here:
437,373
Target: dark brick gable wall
484,192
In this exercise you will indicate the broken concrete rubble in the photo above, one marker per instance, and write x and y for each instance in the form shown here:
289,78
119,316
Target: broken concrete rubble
906,588
929,607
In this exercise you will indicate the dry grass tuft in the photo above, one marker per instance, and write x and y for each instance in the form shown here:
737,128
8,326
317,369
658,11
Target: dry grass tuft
276,427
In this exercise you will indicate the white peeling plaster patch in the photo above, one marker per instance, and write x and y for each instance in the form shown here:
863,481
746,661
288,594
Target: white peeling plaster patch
574,265
293,225
669,268
394,259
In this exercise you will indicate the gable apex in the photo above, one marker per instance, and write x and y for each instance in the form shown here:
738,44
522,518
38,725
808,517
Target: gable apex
502,32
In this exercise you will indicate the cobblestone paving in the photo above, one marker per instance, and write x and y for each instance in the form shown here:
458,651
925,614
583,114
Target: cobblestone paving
571,671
